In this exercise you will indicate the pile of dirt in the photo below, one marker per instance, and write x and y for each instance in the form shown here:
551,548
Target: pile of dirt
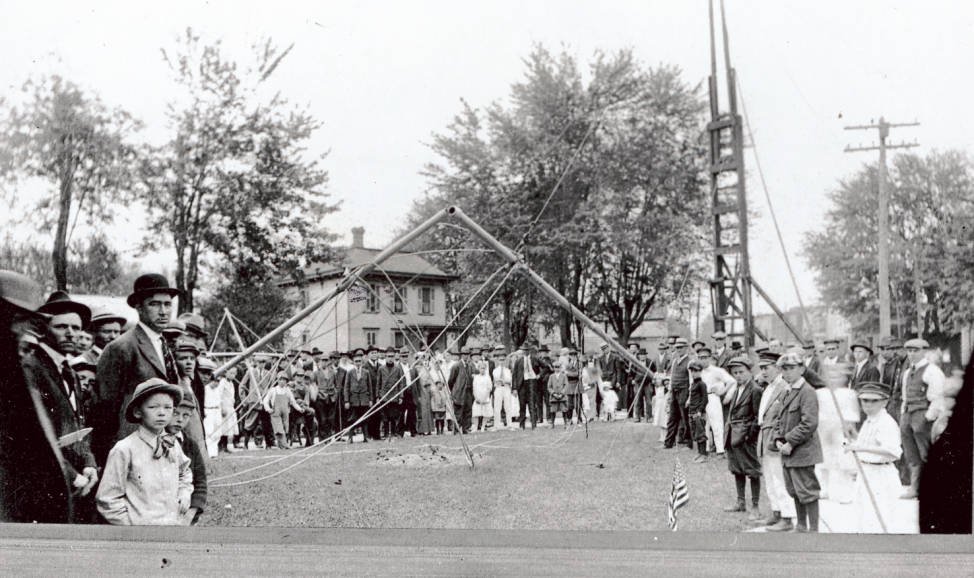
423,457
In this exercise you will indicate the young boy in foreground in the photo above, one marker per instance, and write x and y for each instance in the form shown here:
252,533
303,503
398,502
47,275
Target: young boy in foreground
147,478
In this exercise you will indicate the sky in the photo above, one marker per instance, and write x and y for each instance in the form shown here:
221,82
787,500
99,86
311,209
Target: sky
382,77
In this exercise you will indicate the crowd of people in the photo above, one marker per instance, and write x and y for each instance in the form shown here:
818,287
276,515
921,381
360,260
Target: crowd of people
128,420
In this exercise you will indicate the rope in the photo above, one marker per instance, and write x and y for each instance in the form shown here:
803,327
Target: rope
372,410
774,217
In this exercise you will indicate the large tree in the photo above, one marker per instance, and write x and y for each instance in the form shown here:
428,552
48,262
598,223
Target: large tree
594,178
235,178
931,212
72,142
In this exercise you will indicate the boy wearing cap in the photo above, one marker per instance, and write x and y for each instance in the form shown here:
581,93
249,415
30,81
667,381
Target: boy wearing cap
877,447
697,409
782,505
797,440
741,437
183,415
147,478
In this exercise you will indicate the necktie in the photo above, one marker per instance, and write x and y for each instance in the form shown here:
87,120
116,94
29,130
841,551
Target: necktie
164,443
172,374
67,382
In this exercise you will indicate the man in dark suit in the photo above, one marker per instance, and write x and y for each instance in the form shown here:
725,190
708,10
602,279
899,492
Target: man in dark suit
139,354
864,369
372,364
358,392
606,363
49,371
460,383
721,353
741,437
388,388
35,482
891,351
678,422
104,327
524,377
412,393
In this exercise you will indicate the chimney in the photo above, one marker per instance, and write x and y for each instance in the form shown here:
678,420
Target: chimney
358,235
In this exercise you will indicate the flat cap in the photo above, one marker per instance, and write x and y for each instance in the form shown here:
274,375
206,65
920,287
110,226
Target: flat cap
916,343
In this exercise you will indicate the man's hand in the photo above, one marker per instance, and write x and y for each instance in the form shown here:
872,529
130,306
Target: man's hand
347,405
785,448
88,479
183,506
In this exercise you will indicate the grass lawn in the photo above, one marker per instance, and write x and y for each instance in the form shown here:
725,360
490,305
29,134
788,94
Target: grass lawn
546,479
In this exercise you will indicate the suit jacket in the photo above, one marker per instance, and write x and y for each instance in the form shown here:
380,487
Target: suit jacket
124,364
869,372
892,377
680,374
358,390
391,378
742,418
798,425
517,374
460,381
198,465
41,372
724,357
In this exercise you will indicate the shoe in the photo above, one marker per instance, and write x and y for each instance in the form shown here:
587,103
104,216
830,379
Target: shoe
754,514
782,525
738,507
773,519
910,494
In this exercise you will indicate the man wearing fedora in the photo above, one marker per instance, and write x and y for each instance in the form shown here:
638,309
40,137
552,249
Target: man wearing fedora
864,369
524,379
50,372
678,423
460,383
139,354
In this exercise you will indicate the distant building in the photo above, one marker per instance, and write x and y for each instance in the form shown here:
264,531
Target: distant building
659,324
415,310
822,323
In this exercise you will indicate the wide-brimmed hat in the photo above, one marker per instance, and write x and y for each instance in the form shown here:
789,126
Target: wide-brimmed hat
20,291
863,345
147,388
680,342
60,302
102,316
150,284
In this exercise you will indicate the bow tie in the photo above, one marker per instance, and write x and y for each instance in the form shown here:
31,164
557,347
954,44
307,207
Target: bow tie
164,443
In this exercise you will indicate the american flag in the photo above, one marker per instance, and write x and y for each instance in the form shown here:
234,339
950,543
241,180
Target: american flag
679,495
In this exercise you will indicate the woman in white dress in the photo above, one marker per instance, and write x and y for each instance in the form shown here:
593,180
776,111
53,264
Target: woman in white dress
482,387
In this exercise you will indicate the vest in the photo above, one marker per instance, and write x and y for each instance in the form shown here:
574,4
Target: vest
915,395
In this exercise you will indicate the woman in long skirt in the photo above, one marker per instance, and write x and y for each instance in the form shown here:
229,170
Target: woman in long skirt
482,387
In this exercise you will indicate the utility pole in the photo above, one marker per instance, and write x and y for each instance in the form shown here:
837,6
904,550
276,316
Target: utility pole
883,126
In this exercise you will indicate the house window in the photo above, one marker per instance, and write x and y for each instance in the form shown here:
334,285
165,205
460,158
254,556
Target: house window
426,300
372,304
370,336
397,305
399,338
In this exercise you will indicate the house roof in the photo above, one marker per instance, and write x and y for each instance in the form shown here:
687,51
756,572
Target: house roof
398,264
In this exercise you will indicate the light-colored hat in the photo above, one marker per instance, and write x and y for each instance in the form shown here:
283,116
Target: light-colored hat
790,359
916,343
147,388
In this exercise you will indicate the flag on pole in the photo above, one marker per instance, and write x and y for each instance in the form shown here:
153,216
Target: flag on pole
679,495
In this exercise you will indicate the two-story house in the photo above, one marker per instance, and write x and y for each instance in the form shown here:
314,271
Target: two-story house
414,309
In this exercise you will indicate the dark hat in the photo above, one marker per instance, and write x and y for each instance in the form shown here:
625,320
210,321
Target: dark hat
889,342
474,351
499,349
863,345
82,363
20,291
335,355
358,352
831,340
736,345
873,390
316,351
544,349
103,316
770,356
695,365
808,345
604,346
642,352
60,302
147,388
698,342
194,322
742,361
150,284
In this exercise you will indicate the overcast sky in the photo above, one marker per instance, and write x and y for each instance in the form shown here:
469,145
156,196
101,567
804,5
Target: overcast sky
383,76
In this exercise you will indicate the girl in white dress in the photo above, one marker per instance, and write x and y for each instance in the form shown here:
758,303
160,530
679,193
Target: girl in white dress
482,387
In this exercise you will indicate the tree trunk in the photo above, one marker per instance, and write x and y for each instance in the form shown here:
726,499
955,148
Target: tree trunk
917,292
59,255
